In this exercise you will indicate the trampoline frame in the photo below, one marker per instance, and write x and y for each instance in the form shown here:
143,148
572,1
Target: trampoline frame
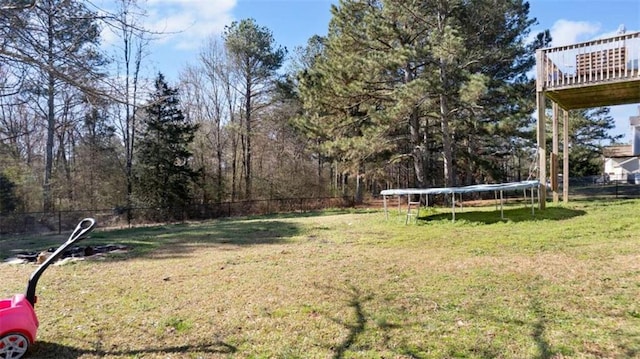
496,188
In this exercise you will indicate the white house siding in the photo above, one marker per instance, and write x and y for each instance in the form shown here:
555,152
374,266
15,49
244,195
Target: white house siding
619,168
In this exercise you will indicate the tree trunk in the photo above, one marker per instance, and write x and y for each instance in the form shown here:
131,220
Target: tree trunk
447,152
51,122
320,165
417,149
359,198
470,168
234,160
415,138
247,164
63,161
219,190
133,52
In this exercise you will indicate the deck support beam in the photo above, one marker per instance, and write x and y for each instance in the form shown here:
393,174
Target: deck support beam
542,149
541,130
565,156
553,167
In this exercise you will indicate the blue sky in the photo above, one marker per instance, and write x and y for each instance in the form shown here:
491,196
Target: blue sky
292,22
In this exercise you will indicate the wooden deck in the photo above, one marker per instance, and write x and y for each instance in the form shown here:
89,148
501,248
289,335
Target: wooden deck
603,72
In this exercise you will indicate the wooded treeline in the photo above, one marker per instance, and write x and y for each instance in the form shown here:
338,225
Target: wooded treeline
398,94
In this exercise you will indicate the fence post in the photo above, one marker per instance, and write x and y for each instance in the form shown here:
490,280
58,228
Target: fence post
59,222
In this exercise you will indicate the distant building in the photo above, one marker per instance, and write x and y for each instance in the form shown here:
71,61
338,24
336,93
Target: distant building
622,162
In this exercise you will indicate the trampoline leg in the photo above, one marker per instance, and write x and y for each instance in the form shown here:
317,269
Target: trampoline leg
386,212
501,204
532,206
453,207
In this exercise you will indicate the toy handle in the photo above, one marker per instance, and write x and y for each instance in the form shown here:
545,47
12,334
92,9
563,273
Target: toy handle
82,229
85,226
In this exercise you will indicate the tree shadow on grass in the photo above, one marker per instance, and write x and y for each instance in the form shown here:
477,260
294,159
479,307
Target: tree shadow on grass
539,328
237,232
176,238
311,214
355,328
47,350
521,214
362,322
180,240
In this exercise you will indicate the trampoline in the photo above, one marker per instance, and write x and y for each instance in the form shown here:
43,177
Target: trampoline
497,188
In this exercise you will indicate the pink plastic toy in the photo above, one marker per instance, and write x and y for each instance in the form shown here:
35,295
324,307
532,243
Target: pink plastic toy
18,321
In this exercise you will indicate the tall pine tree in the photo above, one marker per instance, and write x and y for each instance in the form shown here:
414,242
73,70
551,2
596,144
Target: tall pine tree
254,58
165,176
409,81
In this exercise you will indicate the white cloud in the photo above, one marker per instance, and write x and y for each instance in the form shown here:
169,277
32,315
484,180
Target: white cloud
182,24
186,23
565,32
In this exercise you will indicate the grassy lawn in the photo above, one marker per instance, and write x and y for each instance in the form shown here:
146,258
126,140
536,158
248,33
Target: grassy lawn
562,284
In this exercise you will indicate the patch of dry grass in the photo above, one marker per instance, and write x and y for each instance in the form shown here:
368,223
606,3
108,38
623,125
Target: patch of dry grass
564,284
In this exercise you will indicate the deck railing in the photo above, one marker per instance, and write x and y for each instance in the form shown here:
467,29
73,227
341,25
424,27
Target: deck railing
611,59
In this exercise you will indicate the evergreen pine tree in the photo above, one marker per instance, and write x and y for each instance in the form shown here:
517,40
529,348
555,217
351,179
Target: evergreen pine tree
414,81
255,58
8,200
588,132
164,173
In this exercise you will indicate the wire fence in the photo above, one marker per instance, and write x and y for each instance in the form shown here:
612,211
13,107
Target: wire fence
62,221
604,189
593,187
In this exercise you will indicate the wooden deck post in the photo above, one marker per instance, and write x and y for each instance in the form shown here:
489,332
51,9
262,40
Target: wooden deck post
542,150
541,130
565,156
553,166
